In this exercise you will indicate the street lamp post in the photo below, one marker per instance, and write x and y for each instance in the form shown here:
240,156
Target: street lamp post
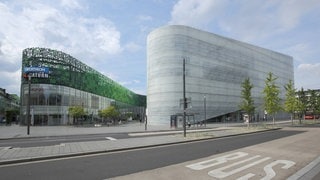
28,105
205,110
146,120
184,98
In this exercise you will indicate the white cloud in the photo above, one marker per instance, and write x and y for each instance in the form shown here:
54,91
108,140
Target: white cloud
313,69
301,52
307,76
255,20
37,24
71,4
11,81
291,11
100,33
195,13
247,20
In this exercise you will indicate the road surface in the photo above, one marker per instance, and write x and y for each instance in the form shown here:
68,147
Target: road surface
109,165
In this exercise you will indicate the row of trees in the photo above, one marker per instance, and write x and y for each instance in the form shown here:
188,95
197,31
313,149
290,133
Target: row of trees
296,102
109,115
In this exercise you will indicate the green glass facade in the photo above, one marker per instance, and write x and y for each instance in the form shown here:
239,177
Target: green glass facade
70,83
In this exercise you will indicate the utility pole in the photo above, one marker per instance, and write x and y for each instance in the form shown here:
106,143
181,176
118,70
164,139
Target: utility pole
205,110
29,99
184,97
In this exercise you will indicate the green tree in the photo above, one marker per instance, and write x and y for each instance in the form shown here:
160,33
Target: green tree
271,96
312,102
318,104
110,113
247,103
76,112
301,104
290,104
11,115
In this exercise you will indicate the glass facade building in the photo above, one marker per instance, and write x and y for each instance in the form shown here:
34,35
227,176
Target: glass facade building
70,83
215,68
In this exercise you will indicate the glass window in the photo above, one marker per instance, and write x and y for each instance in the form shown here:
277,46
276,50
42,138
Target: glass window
53,99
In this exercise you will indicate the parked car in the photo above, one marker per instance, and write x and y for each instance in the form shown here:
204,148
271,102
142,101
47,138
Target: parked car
3,121
311,117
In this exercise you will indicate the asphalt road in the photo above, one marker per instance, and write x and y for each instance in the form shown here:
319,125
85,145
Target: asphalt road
56,140
104,166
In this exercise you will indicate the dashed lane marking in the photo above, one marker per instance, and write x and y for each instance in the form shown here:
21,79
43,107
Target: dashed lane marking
5,148
111,138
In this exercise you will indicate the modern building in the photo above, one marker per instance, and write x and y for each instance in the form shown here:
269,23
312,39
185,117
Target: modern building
8,103
215,68
59,81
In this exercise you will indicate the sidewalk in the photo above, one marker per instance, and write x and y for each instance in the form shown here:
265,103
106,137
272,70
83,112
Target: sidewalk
16,155
16,131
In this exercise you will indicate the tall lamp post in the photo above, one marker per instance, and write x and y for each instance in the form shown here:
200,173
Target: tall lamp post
205,110
28,105
184,98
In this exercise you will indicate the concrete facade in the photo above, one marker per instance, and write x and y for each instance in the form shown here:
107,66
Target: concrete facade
215,68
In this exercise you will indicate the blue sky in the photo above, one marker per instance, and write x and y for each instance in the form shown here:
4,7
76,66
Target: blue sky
110,35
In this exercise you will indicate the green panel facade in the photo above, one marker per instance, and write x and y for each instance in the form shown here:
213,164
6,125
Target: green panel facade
65,70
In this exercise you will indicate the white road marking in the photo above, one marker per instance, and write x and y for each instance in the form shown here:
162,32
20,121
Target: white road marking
5,148
270,172
216,161
218,173
231,167
111,138
247,176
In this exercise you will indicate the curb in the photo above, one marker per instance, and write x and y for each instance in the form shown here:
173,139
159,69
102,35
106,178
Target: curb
35,137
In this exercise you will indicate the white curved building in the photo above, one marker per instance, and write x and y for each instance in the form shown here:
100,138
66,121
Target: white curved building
215,68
